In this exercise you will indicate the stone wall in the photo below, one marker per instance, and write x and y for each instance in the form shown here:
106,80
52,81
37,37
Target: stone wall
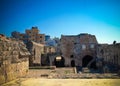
12,71
75,47
49,59
36,51
67,46
13,60
110,53
49,54
49,49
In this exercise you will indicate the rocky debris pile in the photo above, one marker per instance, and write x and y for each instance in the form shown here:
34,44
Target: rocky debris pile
13,60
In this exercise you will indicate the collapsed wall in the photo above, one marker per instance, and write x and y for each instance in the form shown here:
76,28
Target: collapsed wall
110,53
76,47
36,50
13,60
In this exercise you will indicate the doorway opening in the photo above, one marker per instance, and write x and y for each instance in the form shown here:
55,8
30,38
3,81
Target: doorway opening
59,61
88,59
72,63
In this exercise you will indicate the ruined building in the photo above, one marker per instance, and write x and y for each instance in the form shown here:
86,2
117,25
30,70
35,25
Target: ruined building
71,50
39,53
110,53
83,50
36,45
13,59
78,50
49,52
30,35
36,50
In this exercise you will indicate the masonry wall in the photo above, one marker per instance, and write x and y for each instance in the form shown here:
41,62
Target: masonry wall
67,46
49,54
36,51
110,53
75,47
13,60
49,49
12,71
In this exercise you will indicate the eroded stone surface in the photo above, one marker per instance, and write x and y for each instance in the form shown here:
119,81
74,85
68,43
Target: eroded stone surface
13,60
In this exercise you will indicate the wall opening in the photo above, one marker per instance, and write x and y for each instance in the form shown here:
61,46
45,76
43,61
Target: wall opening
59,61
72,63
88,59
71,56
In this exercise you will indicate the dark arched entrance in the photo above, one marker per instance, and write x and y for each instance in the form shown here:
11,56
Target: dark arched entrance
59,61
86,60
73,63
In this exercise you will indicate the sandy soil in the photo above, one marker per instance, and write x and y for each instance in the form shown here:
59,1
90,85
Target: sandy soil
34,79
63,82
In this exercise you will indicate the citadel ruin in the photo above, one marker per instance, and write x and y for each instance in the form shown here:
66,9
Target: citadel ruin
82,51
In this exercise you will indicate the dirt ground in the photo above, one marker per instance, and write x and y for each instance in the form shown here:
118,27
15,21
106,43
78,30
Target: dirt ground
67,73
63,77
63,82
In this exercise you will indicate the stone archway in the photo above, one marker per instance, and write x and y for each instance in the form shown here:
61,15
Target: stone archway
88,60
72,63
59,61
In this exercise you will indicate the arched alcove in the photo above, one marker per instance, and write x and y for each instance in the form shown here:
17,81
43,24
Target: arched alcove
86,60
59,61
72,63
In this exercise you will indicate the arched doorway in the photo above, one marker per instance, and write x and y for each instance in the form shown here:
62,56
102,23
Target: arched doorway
59,61
86,60
73,63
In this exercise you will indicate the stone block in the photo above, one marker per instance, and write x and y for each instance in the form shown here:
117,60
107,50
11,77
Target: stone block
15,53
11,76
2,79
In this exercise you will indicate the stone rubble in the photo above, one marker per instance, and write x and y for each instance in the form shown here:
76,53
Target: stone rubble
13,60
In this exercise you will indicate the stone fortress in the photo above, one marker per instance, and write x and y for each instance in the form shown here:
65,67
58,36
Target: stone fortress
29,49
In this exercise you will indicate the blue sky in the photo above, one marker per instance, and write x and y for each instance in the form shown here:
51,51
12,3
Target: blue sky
67,17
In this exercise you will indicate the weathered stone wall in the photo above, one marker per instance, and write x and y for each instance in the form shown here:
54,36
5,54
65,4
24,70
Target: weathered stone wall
12,71
49,49
110,53
67,46
75,47
49,54
49,59
36,51
13,60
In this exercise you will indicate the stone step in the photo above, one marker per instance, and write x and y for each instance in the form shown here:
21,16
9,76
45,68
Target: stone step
85,70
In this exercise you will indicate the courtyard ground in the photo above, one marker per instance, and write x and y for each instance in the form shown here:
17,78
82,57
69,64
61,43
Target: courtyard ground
63,82
68,73
64,77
